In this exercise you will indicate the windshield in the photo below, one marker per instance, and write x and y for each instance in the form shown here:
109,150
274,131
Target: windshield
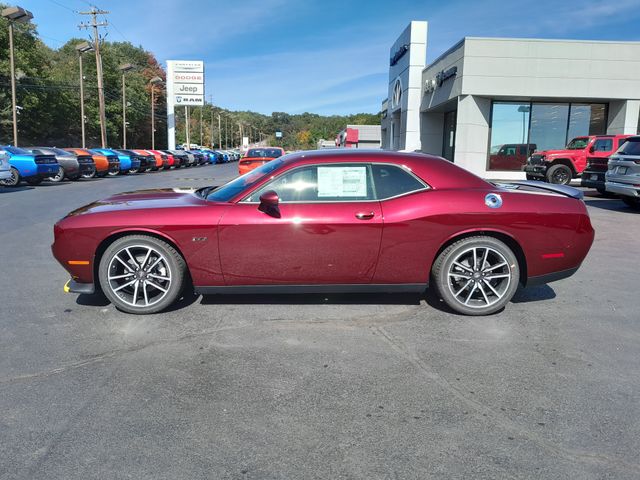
234,187
630,147
578,143
264,152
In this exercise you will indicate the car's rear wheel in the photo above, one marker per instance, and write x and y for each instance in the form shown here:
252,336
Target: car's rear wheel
476,275
90,174
58,177
559,174
141,274
13,181
632,202
113,173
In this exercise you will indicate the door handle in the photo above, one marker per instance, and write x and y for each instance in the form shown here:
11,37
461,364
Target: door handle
365,216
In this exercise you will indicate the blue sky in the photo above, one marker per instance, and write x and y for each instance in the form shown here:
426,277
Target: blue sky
321,56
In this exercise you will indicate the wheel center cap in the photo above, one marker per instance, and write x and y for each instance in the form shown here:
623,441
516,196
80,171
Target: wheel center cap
476,275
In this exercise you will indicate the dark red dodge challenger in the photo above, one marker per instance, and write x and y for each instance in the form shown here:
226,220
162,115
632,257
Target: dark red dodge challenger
329,221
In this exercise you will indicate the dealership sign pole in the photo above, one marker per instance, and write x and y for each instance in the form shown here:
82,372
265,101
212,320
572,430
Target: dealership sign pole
185,87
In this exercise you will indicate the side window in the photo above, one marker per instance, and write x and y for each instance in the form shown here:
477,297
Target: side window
321,183
603,145
391,181
621,142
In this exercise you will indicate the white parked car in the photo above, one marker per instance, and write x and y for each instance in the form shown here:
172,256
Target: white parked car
5,167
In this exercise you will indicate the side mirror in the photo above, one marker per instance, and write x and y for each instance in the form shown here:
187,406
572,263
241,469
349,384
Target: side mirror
269,203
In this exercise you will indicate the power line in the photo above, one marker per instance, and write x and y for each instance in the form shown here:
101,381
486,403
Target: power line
63,6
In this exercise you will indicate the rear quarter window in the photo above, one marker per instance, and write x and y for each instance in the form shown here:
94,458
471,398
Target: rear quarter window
392,181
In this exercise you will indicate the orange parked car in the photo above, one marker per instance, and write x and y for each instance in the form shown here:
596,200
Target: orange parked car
103,164
258,156
167,160
159,164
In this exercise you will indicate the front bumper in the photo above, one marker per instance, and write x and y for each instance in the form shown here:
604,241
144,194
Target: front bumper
76,287
535,170
624,189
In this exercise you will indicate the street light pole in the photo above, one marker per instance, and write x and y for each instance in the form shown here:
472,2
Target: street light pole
154,81
82,48
186,126
219,133
20,15
124,69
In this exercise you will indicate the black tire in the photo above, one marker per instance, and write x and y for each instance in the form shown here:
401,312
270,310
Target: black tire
58,177
34,181
14,181
174,268
559,174
89,175
632,202
112,173
75,178
483,294
134,170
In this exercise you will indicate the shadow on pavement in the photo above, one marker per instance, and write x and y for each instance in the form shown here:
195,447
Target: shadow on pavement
14,189
534,294
612,204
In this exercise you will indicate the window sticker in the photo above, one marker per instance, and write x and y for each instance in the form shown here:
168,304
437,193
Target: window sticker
342,181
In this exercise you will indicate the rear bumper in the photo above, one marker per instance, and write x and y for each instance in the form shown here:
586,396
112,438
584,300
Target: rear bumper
623,189
592,179
45,170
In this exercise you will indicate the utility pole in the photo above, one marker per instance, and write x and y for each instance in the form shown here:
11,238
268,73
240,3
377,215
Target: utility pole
219,133
94,12
201,108
154,81
226,132
186,127
20,15
124,69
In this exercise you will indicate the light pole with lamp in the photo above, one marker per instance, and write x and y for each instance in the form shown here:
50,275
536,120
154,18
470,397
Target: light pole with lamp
124,69
14,15
154,81
82,48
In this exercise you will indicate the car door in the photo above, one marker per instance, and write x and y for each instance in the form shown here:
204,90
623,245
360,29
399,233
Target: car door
326,230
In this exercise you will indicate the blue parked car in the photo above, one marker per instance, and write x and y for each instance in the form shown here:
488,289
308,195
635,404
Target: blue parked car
127,162
33,168
224,156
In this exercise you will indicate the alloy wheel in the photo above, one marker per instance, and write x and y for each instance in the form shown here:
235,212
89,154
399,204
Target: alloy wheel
479,277
13,181
139,275
58,177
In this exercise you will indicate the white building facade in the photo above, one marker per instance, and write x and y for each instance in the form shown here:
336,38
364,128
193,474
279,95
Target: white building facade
487,103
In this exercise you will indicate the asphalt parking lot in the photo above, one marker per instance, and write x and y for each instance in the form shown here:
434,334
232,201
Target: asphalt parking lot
346,386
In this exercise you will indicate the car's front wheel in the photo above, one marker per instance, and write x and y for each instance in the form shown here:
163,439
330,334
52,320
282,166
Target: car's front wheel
559,174
476,275
141,274
12,181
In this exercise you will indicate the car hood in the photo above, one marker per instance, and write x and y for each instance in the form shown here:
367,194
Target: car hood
549,153
144,199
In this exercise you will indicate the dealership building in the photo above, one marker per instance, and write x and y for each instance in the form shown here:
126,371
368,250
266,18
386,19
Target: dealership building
486,103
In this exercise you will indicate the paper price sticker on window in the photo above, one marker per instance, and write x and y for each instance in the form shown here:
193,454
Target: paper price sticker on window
342,181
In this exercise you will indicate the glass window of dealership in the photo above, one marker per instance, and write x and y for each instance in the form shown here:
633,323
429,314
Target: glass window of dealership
488,103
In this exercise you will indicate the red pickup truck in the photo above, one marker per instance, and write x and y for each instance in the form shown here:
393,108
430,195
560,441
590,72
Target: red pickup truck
560,166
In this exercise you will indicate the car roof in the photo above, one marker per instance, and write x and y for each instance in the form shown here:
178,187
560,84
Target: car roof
436,171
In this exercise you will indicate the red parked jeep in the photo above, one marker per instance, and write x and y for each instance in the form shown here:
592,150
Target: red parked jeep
560,166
